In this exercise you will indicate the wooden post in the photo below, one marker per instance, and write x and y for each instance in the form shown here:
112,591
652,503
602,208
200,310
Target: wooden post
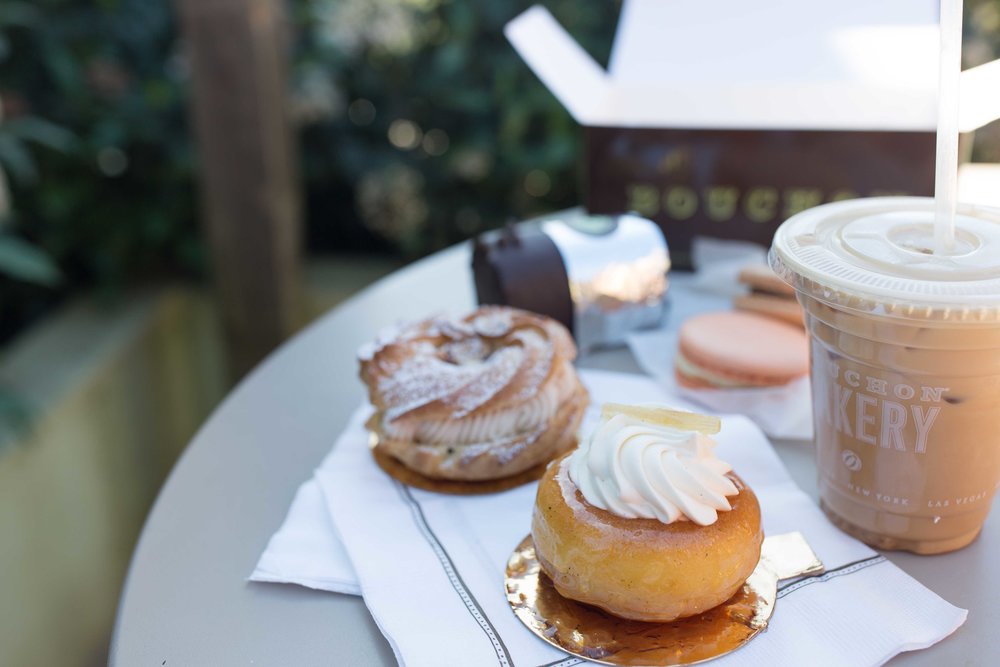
248,177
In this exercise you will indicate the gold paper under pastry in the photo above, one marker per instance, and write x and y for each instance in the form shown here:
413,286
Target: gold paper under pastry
589,632
401,473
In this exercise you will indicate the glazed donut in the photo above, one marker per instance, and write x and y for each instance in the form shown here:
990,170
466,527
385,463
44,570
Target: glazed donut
482,397
678,532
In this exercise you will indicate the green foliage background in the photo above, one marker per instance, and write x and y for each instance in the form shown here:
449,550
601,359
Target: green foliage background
446,68
119,204
419,126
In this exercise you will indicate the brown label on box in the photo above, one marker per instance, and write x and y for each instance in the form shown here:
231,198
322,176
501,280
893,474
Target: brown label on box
741,184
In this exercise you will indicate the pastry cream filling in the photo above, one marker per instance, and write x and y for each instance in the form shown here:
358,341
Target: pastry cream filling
635,469
689,369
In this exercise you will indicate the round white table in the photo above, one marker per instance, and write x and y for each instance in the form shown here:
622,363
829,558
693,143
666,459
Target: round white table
186,601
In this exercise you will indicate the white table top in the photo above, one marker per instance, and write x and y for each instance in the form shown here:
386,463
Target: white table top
186,600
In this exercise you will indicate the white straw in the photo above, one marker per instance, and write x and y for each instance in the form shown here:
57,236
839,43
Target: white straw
946,176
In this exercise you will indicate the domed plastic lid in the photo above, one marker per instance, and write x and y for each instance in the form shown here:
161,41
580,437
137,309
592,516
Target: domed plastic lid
877,255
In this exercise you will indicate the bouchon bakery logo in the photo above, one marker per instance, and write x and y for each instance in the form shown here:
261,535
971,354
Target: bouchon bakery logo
721,203
851,460
874,411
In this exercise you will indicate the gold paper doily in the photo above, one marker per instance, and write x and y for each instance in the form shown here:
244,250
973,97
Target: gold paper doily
591,633
400,472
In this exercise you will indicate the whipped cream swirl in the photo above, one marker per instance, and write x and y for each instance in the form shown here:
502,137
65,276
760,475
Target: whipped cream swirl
635,469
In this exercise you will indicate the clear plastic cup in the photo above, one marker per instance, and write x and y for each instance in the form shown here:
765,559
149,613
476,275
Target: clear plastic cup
905,357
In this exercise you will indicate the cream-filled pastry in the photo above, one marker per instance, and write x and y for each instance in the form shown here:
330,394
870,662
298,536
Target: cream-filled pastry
644,521
481,397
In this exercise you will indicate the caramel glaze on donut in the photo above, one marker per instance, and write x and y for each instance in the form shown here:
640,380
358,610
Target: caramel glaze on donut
482,397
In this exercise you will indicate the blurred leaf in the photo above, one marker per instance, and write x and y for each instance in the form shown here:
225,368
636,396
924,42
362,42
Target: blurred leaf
450,58
15,417
61,64
159,94
22,261
23,14
40,131
17,159
471,100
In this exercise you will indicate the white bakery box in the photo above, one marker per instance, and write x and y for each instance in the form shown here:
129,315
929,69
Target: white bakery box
724,118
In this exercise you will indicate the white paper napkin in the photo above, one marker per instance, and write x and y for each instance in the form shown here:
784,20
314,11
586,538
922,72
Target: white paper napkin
431,566
306,550
782,412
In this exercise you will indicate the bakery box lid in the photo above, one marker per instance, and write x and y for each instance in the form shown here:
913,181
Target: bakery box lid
731,64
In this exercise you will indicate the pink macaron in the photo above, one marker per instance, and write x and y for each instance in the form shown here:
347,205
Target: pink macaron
739,349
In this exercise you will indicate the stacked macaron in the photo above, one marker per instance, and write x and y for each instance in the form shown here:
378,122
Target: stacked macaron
738,349
768,295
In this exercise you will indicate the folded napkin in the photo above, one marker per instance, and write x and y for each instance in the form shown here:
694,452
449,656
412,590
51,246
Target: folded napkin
431,566
782,412
306,550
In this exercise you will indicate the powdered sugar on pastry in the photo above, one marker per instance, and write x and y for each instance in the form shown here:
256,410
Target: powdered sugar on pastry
495,377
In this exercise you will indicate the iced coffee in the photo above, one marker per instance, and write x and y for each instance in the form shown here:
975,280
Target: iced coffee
905,356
